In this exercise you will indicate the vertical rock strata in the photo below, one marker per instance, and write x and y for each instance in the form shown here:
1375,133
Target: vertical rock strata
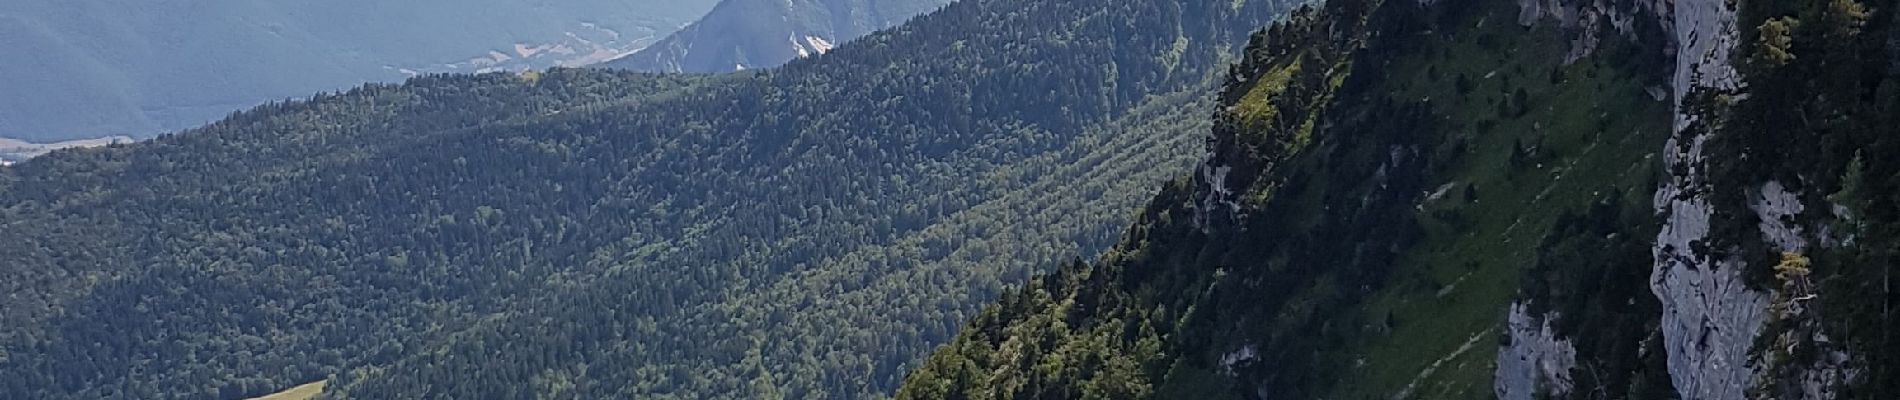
1710,317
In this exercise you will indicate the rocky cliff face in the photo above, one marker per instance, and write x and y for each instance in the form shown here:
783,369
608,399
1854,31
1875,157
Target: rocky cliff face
1536,361
1711,318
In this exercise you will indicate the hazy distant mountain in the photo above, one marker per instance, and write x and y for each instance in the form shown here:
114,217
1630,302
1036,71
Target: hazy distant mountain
94,68
741,34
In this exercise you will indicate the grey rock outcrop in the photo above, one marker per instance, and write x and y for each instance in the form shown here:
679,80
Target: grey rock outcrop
1536,362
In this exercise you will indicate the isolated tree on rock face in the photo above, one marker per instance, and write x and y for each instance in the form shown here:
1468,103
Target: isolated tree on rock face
1793,272
1777,37
1845,18
1850,196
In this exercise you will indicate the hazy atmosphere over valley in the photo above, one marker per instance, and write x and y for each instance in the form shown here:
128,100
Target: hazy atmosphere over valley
950,199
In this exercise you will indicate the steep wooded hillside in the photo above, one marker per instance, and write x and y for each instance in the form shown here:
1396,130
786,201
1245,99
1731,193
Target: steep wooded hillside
1474,198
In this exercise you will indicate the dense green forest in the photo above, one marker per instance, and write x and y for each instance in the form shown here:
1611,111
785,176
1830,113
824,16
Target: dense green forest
1389,180
806,232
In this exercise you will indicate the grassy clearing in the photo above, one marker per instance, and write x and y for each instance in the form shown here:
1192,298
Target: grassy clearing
302,392
1590,133
1256,107
19,150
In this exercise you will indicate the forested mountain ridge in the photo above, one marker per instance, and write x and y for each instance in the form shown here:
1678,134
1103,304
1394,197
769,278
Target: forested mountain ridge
974,51
97,68
1484,199
192,263
751,34
807,231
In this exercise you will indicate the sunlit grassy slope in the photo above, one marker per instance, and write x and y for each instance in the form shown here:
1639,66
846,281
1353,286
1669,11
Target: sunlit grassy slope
301,392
